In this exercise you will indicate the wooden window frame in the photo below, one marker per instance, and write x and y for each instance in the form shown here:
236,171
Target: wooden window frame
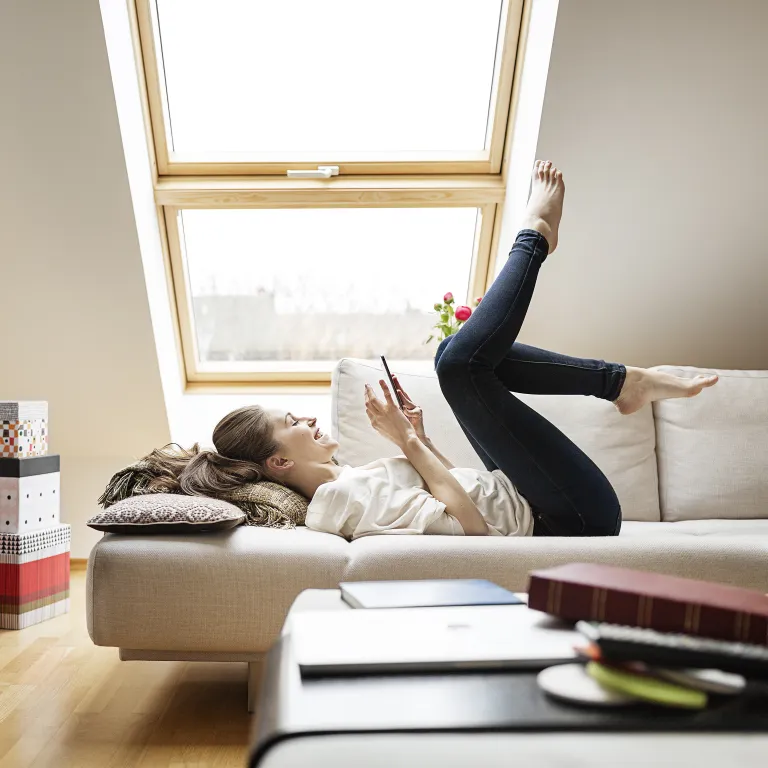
183,183
266,193
487,161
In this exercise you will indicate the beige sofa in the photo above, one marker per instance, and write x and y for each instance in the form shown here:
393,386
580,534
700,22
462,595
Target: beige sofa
691,475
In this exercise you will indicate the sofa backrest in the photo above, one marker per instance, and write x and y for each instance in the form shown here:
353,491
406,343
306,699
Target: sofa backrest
713,448
622,446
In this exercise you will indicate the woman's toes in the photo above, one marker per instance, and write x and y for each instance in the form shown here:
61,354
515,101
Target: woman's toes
700,382
692,387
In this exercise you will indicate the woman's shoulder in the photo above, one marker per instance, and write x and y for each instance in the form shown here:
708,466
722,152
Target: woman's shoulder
352,485
348,476
356,479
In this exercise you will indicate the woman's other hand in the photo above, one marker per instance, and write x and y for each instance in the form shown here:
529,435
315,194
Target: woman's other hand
387,418
412,412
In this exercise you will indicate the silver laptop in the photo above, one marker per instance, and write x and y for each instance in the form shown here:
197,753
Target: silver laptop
429,639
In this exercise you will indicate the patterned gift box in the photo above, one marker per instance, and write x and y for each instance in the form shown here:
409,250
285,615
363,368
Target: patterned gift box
29,494
23,428
34,576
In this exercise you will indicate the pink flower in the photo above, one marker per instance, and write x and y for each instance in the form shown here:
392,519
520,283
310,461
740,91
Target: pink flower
463,313
448,298
478,299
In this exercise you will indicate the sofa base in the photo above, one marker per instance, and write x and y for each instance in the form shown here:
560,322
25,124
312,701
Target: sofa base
255,663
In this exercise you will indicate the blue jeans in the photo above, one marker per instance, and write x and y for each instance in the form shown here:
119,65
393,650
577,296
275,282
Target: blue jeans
478,366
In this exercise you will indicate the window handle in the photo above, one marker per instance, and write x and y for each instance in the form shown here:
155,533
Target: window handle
322,172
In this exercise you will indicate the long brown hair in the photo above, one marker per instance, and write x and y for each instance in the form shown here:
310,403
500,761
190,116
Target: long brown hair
243,439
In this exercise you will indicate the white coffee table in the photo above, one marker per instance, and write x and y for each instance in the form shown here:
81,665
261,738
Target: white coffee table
553,749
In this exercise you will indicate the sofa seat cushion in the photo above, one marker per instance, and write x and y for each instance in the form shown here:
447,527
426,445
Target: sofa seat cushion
229,592
224,591
729,559
622,446
713,448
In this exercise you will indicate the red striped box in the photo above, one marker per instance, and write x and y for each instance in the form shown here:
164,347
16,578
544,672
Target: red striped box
34,576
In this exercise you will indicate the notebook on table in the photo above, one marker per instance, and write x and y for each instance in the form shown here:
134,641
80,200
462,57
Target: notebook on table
425,593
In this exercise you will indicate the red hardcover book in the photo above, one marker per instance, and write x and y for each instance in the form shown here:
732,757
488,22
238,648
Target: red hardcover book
639,599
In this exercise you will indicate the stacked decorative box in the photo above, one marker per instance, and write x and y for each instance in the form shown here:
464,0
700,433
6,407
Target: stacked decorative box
34,545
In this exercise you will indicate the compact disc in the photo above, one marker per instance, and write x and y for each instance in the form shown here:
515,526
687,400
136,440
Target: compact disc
571,683
709,680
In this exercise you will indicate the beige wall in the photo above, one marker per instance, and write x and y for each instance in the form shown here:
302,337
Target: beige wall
75,326
657,112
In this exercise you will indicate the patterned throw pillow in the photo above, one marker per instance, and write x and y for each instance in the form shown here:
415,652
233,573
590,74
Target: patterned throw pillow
167,513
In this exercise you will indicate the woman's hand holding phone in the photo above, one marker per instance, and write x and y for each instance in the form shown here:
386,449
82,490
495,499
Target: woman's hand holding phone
387,418
412,412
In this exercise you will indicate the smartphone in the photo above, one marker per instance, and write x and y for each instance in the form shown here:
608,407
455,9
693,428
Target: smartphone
392,382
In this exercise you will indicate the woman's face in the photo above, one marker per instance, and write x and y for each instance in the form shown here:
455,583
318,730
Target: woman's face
301,440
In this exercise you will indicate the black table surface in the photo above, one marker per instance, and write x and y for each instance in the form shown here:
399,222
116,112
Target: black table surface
292,706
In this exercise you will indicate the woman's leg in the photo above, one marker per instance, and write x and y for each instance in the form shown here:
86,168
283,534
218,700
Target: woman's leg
540,372
568,493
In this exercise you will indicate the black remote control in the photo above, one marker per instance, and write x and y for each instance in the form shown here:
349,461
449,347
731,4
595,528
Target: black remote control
666,649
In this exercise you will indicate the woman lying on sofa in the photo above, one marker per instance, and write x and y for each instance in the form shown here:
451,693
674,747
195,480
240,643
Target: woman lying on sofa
537,482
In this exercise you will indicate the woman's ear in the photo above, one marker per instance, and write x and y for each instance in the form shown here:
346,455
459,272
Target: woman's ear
277,465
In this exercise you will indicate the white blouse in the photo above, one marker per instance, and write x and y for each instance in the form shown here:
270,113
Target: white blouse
390,496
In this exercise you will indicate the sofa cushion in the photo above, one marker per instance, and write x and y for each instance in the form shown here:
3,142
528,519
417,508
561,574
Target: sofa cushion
728,558
713,448
622,446
167,513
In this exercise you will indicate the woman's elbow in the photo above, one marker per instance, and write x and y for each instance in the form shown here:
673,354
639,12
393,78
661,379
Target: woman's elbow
474,528
469,518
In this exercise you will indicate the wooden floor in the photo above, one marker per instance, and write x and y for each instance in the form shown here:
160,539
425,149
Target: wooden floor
67,703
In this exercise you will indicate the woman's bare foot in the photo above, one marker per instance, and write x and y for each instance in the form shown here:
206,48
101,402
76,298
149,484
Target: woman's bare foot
644,385
545,205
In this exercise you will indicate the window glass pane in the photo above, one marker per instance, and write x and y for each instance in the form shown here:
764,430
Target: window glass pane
318,285
328,76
